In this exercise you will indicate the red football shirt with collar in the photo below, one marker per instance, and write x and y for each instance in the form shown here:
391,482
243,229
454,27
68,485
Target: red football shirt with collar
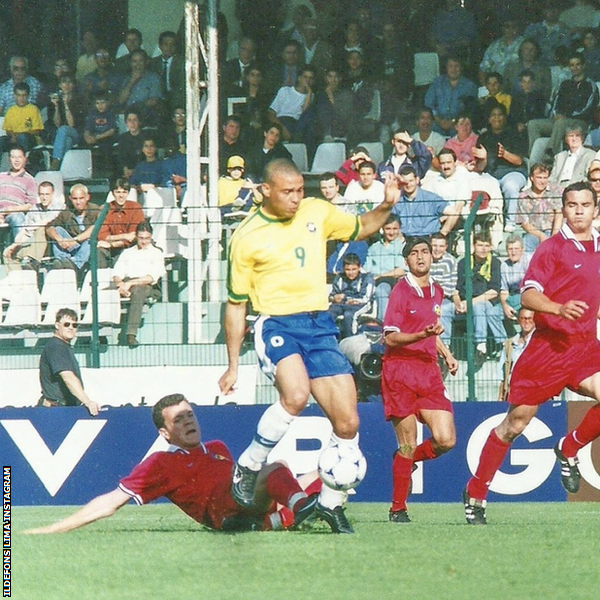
561,353
198,481
411,379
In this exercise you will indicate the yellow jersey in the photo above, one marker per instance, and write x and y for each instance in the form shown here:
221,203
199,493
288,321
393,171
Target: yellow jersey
279,264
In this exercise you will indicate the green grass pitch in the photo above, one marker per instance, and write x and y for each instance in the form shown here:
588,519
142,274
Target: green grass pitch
527,551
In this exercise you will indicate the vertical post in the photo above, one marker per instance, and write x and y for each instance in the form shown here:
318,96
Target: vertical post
469,293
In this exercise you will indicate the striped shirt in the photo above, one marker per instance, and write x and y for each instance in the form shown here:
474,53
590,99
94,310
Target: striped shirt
444,273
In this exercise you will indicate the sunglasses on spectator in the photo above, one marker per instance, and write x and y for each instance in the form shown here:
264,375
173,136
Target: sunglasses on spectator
68,324
594,180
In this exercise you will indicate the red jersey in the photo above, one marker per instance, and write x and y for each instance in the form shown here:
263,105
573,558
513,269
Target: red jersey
412,308
563,269
198,481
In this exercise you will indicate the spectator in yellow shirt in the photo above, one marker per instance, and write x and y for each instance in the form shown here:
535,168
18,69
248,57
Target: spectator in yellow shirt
23,122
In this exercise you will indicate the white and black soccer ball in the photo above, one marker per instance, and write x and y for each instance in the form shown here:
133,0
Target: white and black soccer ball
342,467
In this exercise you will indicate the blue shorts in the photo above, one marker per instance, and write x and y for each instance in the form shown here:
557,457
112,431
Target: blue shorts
311,335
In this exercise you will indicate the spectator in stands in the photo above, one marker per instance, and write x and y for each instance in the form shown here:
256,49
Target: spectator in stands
233,72
86,62
129,145
258,99
433,140
449,95
22,122
366,193
317,52
495,95
104,78
142,90
465,144
236,193
71,230
453,30
18,192
453,182
293,109
487,310
444,272
530,59
528,103
259,155
575,104
65,120
591,53
351,295
571,165
60,376
131,43
348,170
119,227
174,136
149,172
170,67
285,72
230,143
330,190
18,68
29,246
385,262
401,141
539,210
550,33
584,14
502,51
334,107
505,151
61,67
136,274
395,69
101,125
512,349
512,273
422,213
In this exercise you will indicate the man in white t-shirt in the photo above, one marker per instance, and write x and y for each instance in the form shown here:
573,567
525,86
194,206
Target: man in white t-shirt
433,140
366,193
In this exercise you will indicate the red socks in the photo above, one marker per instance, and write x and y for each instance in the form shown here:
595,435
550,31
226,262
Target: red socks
281,485
491,458
401,473
425,451
587,431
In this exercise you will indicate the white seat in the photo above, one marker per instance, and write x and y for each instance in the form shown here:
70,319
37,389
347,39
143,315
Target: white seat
299,155
375,151
538,149
328,157
109,300
4,166
20,289
59,291
77,164
56,179
427,67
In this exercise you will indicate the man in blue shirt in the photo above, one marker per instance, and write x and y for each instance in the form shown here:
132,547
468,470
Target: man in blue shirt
422,213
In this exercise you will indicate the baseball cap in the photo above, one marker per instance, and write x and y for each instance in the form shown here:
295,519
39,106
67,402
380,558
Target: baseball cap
236,161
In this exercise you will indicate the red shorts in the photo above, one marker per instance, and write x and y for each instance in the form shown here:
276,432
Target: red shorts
409,386
550,363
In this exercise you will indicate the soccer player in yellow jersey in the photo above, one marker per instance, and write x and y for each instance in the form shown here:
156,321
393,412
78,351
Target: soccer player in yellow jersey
277,262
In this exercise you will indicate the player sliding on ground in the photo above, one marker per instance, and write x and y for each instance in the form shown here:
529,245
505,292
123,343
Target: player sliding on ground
562,286
196,477
277,262
411,383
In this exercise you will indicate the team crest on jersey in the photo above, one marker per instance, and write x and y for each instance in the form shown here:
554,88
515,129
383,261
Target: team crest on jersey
311,227
219,457
437,309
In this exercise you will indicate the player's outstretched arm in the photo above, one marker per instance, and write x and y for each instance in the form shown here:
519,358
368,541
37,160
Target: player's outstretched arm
400,338
371,221
535,300
100,507
235,327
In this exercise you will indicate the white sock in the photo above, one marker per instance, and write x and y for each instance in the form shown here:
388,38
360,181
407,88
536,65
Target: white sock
482,347
272,426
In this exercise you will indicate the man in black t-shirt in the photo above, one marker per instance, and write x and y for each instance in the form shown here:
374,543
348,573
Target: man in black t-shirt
60,376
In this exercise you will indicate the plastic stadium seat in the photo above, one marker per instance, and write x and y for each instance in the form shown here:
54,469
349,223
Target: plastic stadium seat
328,157
109,300
77,164
538,149
299,155
56,179
427,67
59,291
20,289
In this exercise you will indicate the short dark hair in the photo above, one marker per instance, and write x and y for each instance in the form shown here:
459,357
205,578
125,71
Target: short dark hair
165,402
393,219
305,69
22,87
134,31
65,312
408,170
166,34
121,182
271,125
327,176
132,111
482,237
495,74
439,236
445,151
527,73
538,166
143,226
232,118
46,184
369,164
580,186
411,242
352,259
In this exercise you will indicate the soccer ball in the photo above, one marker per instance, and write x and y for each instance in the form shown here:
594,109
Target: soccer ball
342,467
